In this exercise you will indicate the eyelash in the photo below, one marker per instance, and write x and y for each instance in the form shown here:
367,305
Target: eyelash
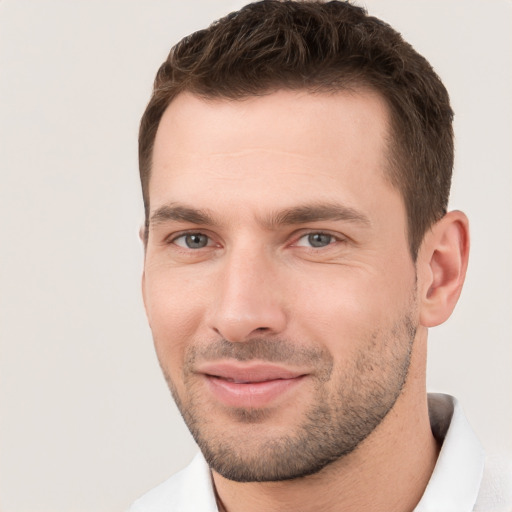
190,234
333,239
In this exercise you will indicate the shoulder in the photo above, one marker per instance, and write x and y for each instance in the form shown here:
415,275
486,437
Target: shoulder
189,490
496,488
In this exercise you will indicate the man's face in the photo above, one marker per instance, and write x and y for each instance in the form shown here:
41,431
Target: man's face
278,281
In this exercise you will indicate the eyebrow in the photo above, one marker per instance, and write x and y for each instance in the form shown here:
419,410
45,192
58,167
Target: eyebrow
315,212
177,212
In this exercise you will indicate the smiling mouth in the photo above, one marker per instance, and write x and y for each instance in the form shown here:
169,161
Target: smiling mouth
240,381
254,386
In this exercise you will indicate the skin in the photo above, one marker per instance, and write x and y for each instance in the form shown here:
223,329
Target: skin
356,307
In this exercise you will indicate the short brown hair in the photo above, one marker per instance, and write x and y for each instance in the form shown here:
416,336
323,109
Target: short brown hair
320,47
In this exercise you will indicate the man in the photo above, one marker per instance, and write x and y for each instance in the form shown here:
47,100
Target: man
296,162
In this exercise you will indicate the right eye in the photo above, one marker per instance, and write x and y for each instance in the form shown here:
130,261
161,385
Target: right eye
193,241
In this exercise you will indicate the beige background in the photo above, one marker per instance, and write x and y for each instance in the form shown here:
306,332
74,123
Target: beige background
86,421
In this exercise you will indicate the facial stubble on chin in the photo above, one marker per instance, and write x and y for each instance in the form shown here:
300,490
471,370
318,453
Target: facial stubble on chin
333,426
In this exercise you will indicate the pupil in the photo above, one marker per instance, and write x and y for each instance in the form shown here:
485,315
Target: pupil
196,241
319,239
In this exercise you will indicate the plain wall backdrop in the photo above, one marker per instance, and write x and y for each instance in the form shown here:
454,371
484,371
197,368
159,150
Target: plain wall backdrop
86,421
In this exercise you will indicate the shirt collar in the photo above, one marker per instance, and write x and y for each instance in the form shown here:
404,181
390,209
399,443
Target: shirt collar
455,482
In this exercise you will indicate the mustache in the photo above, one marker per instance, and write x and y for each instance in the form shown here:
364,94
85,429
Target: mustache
261,349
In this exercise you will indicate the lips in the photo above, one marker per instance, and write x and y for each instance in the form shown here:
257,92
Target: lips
249,385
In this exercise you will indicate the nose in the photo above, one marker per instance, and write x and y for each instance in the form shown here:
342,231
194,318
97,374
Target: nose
249,302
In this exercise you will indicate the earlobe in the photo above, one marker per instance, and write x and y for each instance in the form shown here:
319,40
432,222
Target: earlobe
442,264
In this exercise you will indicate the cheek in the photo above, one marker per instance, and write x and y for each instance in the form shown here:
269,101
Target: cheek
173,311
349,306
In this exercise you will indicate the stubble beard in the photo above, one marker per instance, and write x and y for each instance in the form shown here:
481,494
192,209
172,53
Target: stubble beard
335,424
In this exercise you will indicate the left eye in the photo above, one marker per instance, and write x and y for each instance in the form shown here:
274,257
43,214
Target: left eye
315,240
192,241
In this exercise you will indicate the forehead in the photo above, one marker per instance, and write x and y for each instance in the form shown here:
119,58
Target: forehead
287,143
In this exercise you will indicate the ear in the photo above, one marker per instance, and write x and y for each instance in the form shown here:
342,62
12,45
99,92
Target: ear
144,296
142,236
442,264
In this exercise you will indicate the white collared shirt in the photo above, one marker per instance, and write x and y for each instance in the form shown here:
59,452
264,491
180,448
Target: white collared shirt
463,480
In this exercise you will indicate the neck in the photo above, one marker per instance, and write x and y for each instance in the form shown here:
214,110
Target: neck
388,471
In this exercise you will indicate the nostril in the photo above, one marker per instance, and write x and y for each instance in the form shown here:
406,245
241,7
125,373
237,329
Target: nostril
238,319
